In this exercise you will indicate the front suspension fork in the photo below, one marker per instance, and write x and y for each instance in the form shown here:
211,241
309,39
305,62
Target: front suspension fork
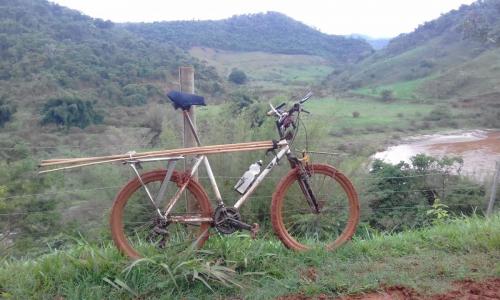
305,186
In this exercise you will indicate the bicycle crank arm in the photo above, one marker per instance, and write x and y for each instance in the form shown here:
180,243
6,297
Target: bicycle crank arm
254,228
239,224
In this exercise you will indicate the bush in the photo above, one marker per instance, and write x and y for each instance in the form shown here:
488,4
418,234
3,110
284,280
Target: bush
134,95
240,101
237,76
386,95
400,195
69,112
355,114
6,112
438,114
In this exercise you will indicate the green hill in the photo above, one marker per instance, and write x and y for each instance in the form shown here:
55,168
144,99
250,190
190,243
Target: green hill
50,51
453,56
270,32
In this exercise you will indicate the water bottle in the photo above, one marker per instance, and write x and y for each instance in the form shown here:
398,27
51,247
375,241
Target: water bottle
248,177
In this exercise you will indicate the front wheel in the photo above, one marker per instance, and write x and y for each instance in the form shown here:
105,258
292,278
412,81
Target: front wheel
301,227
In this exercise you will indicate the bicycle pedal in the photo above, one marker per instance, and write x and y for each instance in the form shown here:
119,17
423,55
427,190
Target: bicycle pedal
254,230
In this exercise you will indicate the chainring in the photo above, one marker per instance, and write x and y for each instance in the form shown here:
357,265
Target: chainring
222,219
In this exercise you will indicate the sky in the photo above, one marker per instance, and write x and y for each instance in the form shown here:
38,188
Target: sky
375,18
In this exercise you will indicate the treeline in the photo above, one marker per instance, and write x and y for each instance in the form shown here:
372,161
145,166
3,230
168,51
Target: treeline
269,32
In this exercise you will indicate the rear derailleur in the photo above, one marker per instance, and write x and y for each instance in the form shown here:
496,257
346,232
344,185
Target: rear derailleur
228,220
159,233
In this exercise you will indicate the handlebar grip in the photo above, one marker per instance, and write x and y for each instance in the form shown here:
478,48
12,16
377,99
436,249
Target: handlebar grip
272,112
280,106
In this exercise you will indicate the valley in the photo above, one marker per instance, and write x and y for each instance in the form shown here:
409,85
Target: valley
76,86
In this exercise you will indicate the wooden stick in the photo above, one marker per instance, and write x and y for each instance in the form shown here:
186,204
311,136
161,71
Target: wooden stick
187,151
179,151
155,152
193,151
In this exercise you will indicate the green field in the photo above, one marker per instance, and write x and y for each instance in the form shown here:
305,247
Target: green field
267,70
407,90
338,113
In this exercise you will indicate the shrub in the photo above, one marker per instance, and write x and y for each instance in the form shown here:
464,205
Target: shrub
400,195
134,95
439,113
386,95
355,114
69,112
6,112
237,76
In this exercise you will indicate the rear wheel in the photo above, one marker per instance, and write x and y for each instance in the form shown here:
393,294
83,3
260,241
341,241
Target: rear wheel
137,228
301,228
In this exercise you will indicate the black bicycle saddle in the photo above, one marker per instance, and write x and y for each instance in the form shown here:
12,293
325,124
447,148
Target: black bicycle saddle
185,100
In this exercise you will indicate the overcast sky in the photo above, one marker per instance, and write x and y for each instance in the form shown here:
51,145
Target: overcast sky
376,18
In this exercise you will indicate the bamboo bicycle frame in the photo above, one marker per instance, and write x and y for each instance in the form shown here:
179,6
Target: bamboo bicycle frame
285,150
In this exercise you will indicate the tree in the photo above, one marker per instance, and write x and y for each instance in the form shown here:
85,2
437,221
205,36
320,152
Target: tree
69,112
6,112
237,76
387,95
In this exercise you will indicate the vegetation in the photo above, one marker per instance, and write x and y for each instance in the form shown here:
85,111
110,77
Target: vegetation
70,112
229,267
6,112
269,32
48,51
237,76
63,68
386,95
401,195
455,55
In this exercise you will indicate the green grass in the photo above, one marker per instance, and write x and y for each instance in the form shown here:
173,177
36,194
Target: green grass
337,113
236,266
406,90
268,70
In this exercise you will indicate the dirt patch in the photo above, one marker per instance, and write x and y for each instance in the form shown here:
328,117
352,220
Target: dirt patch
304,297
466,289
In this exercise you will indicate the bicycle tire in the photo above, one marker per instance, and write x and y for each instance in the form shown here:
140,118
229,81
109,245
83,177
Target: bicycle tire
298,227
131,203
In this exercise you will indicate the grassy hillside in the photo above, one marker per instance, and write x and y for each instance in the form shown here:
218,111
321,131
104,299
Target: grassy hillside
269,32
453,56
427,260
268,73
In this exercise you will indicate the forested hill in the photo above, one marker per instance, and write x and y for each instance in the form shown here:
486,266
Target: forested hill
269,32
457,54
48,51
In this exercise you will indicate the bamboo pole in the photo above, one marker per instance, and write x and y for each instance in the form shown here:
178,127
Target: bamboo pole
176,152
172,152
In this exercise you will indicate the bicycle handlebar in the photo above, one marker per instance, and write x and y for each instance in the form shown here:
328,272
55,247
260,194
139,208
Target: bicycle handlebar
277,111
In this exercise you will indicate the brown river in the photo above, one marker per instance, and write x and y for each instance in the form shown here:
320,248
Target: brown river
478,148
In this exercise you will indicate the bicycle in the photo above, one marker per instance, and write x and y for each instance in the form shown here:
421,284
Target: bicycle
314,205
